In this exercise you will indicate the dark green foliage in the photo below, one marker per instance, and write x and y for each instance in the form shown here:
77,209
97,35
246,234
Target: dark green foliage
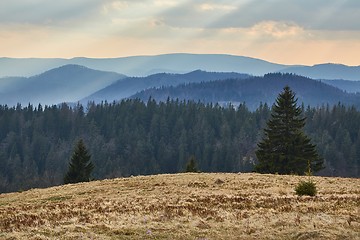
285,149
80,166
307,188
191,165
131,137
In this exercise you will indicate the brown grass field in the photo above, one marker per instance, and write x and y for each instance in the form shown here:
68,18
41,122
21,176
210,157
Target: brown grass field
185,206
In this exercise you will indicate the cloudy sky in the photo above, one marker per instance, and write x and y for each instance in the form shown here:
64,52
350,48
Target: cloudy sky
281,31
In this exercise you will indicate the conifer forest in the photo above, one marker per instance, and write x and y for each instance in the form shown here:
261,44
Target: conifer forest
132,137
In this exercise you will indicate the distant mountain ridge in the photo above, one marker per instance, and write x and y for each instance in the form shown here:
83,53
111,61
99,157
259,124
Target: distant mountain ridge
64,84
254,90
326,71
73,83
141,66
126,87
144,65
345,85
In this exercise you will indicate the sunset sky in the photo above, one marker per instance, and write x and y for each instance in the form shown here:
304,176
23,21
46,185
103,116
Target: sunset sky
281,31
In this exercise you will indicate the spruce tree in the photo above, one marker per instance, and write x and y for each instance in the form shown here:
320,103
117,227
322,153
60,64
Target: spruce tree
191,165
285,149
80,166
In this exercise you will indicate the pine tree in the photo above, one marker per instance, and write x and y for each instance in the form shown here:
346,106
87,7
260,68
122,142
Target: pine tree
285,148
191,165
80,166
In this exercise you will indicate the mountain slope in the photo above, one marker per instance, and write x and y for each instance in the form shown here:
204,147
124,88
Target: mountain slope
326,71
63,84
10,83
254,90
185,206
129,86
346,85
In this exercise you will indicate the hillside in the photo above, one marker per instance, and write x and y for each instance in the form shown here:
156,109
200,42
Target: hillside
346,85
185,206
131,85
64,84
254,90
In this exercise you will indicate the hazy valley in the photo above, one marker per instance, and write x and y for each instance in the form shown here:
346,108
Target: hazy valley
53,81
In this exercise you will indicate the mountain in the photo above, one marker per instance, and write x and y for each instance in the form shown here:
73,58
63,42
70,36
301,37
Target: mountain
141,66
10,83
346,85
64,84
326,71
181,63
27,67
131,85
254,90
144,65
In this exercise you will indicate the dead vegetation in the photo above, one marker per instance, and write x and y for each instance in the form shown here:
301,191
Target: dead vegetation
185,206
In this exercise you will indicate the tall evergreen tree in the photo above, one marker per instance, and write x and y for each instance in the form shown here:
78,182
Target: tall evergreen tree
285,148
80,166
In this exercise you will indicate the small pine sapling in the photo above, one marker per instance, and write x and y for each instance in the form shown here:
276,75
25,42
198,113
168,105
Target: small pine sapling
308,187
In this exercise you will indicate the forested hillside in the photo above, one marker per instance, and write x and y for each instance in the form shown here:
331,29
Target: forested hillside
346,85
126,87
132,137
254,90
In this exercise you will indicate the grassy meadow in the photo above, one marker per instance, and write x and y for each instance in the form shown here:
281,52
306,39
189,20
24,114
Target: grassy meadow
195,206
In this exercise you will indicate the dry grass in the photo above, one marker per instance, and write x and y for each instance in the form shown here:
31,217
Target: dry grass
185,206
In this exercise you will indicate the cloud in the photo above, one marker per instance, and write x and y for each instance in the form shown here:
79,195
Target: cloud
309,14
194,14
276,30
114,6
113,28
319,15
166,3
215,7
43,12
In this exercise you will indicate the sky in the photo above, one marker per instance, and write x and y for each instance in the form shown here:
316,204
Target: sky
281,31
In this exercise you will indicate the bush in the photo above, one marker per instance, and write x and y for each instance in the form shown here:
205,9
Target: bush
306,188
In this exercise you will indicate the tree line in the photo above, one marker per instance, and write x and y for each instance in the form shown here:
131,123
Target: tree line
132,137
